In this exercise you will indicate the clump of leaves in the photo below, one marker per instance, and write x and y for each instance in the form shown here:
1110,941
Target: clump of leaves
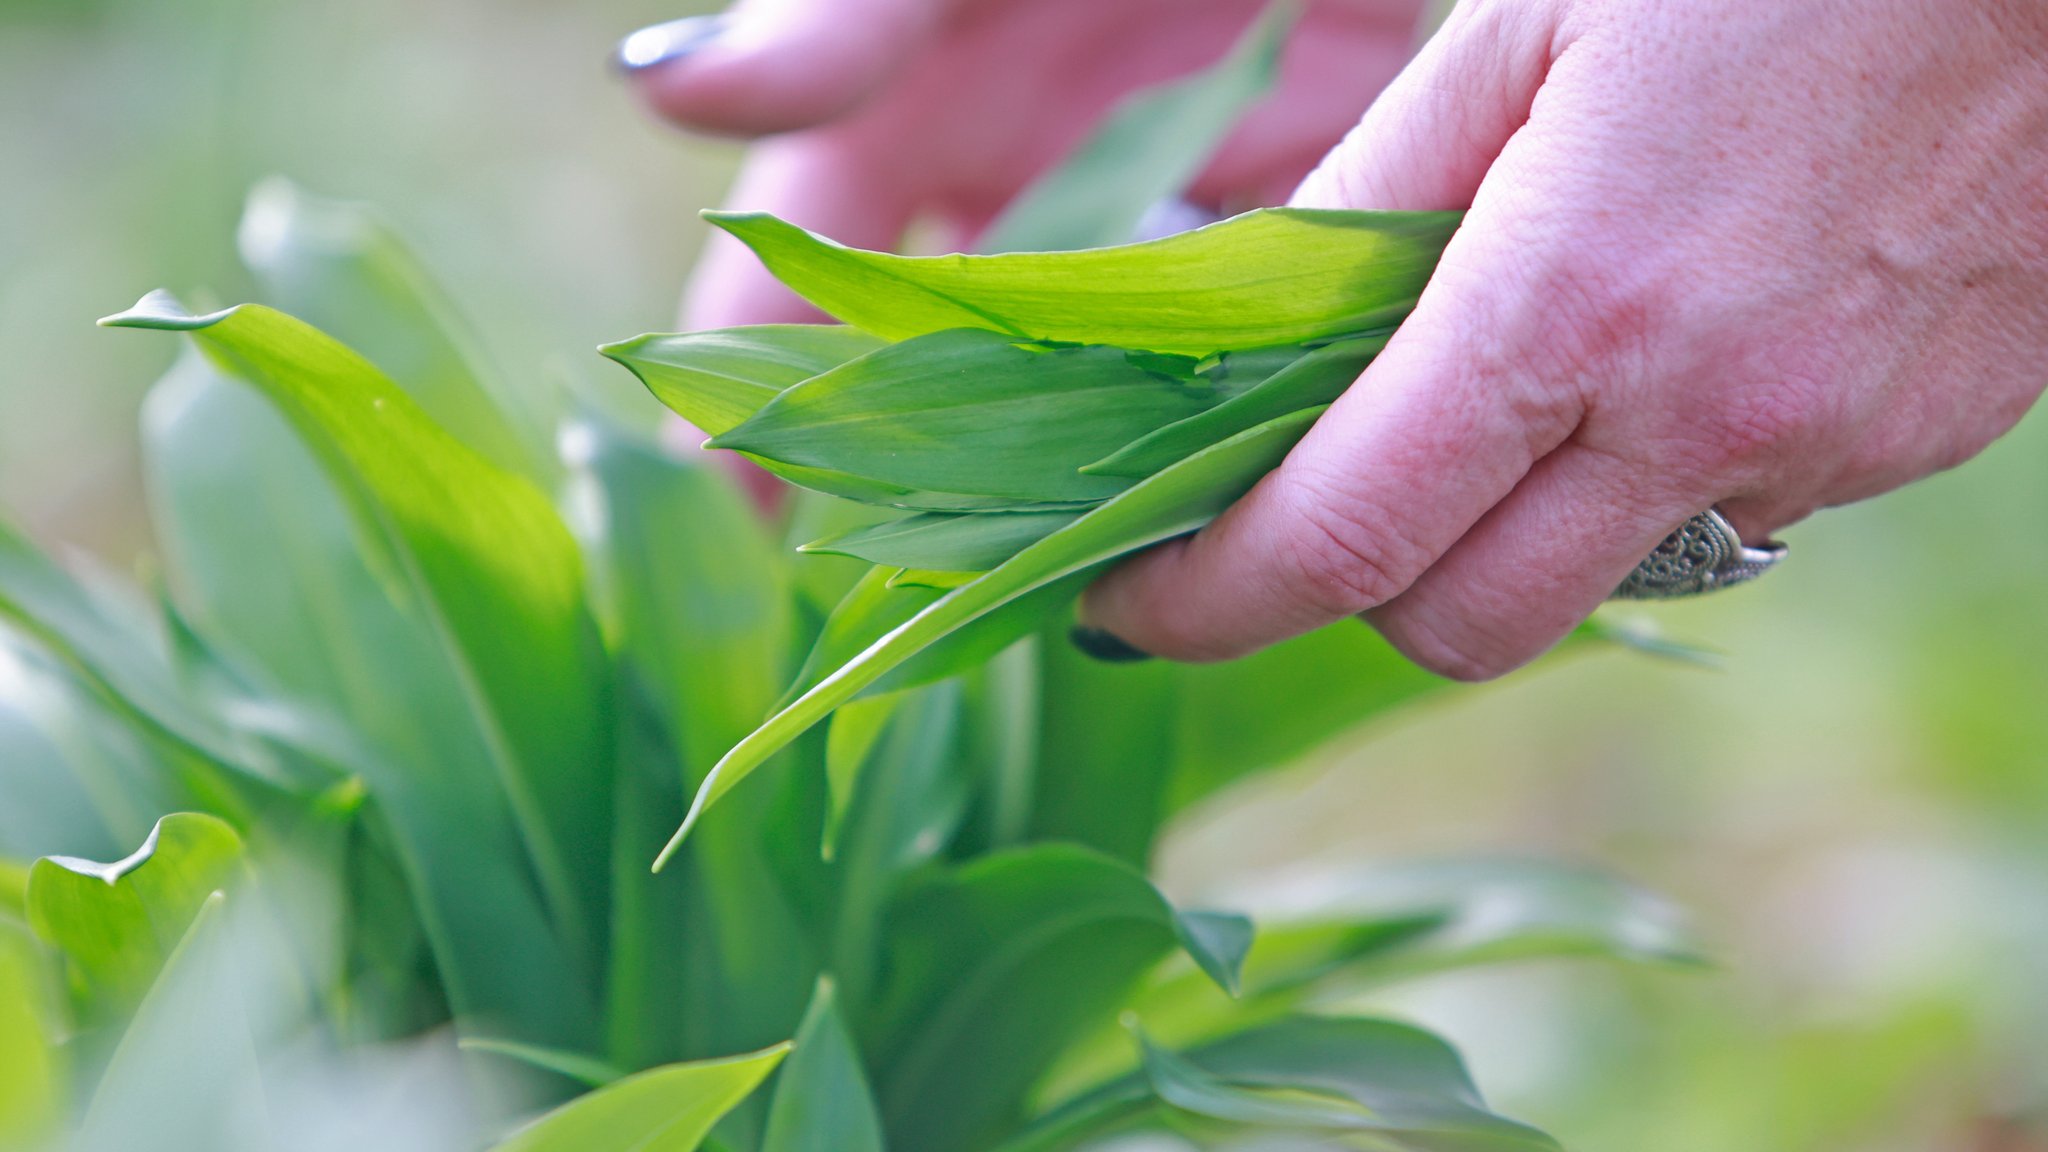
353,803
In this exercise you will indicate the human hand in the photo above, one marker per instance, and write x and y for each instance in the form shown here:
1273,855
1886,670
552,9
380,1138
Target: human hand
1770,256
943,110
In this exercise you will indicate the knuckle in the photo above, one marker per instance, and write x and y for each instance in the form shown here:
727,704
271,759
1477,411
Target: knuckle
1340,558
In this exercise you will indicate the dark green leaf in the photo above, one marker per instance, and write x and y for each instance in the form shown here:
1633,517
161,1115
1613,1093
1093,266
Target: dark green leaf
1178,500
1400,1086
1316,378
1271,276
968,542
822,1102
973,413
1149,148
576,1066
997,967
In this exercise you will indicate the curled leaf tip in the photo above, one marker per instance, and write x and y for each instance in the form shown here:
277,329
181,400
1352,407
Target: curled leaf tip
161,310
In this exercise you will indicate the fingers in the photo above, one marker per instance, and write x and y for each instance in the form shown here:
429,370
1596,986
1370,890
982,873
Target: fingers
1388,480
775,65
1536,565
1427,142
1438,430
815,180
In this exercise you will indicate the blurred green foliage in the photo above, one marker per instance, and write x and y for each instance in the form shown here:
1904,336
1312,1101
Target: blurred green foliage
1857,802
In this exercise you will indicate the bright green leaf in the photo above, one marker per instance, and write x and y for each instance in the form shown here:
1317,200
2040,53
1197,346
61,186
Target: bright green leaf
669,1109
117,922
31,1075
717,379
1271,276
480,549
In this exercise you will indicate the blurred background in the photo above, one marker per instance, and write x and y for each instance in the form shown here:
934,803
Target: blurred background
1855,804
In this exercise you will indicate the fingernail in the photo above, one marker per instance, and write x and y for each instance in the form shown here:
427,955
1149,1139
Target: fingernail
661,43
1107,647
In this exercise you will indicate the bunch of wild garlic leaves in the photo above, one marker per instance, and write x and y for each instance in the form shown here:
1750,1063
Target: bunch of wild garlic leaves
1024,419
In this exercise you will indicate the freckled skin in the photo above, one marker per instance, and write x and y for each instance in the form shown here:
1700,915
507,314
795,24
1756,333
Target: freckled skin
1773,255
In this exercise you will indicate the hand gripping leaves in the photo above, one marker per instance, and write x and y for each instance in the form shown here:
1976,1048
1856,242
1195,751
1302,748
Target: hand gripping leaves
1026,419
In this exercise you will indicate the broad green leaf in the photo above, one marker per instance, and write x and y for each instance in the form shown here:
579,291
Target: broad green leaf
1400,1087
483,554
822,1102
277,573
1316,378
669,1109
1150,147
117,922
585,1069
1031,417
1270,276
717,379
13,890
1004,721
31,1075
944,542
341,268
997,967
1178,500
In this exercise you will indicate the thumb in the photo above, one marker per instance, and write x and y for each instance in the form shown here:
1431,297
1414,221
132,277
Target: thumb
771,66
1426,143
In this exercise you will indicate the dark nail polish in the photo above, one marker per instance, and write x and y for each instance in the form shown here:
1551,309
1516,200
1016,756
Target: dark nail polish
661,43
1105,646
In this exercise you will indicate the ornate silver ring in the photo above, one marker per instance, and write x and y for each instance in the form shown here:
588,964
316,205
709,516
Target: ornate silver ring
1703,555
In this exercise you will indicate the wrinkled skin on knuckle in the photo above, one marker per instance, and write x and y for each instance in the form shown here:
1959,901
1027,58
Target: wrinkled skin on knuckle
1337,555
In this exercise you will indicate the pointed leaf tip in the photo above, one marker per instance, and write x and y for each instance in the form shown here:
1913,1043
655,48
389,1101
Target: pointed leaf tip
163,311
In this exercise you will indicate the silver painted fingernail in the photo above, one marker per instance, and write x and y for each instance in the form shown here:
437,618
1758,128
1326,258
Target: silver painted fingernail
661,43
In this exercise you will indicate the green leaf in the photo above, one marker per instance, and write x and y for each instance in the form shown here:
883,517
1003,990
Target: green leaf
849,740
717,379
481,552
74,777
996,968
1399,1086
1218,943
1033,416
669,1109
588,1070
697,600
341,268
1388,923
822,1102
1176,501
116,923
132,671
315,621
968,542
182,1075
1150,147
31,1074
1270,276
1316,378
